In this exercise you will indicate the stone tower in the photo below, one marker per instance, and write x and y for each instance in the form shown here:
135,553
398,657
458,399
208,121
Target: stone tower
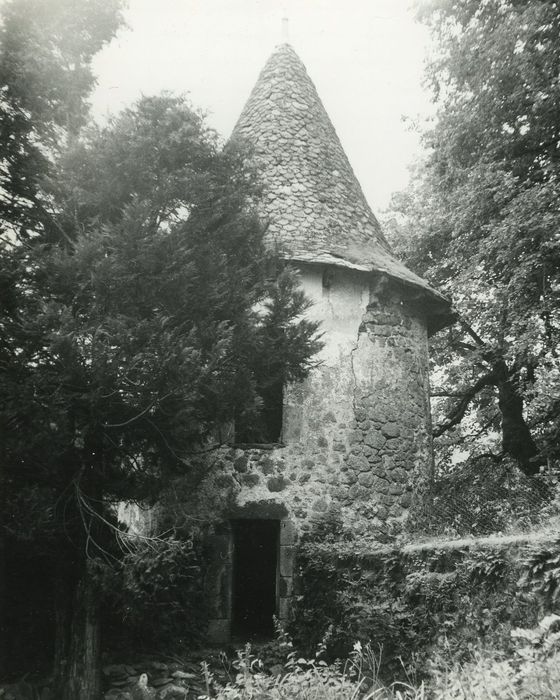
355,437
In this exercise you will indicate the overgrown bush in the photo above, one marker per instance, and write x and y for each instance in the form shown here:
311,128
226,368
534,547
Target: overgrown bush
355,603
414,602
157,595
298,678
354,599
542,573
531,670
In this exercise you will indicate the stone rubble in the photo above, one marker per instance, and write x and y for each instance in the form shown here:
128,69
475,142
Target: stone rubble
166,681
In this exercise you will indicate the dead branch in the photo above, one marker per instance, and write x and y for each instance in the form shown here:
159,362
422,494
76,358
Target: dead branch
457,413
496,458
474,335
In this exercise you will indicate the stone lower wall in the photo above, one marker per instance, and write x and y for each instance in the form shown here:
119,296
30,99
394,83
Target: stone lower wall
459,595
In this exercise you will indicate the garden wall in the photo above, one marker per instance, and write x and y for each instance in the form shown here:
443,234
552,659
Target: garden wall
456,595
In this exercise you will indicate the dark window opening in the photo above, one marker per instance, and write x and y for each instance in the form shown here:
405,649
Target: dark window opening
267,426
272,413
255,564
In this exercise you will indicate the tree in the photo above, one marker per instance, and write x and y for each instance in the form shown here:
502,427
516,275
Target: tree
46,49
132,339
481,220
140,316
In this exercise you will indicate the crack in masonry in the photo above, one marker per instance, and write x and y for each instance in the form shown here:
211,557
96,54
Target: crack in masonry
329,301
352,369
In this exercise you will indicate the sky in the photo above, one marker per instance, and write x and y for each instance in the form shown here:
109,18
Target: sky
364,56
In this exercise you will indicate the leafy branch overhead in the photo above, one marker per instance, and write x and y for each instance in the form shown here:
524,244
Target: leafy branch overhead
481,220
46,50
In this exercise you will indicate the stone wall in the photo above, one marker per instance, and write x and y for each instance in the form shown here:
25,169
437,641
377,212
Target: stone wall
454,596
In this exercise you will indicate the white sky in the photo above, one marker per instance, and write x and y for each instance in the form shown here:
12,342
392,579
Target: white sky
364,56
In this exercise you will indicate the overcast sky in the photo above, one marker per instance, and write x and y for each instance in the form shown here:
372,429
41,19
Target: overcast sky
364,56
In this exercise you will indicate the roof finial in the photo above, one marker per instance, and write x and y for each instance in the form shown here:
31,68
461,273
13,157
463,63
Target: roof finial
285,30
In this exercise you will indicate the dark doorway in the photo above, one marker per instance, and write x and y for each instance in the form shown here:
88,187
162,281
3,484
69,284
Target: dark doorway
254,577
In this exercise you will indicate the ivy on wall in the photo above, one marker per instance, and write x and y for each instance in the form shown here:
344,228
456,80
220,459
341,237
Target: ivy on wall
410,602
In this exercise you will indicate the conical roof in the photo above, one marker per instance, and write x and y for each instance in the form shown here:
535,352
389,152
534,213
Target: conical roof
314,204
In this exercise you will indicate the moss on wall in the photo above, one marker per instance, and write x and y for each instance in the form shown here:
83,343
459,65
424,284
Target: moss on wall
410,600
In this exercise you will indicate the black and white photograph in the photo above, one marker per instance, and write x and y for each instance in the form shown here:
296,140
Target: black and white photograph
279,350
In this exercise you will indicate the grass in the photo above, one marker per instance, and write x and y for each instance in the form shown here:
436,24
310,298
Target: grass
303,679
531,672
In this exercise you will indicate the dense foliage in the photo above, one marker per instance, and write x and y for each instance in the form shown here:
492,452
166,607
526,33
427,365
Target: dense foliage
423,602
46,49
159,579
481,221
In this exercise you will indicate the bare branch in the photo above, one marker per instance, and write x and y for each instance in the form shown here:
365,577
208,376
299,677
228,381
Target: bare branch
496,458
474,335
456,415
139,415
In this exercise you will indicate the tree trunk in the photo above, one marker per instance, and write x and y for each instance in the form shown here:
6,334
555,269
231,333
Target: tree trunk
62,595
516,436
82,680
3,634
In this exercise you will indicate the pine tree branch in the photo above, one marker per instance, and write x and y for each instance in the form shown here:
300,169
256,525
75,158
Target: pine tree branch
158,399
